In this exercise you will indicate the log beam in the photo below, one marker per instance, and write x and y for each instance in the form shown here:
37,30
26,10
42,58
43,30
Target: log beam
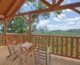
68,6
48,4
30,28
59,2
76,10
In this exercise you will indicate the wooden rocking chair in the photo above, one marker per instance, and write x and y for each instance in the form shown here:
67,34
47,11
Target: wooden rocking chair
14,49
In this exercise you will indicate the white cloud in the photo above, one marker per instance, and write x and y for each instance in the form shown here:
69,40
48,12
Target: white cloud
78,23
58,24
42,23
56,19
52,27
70,23
73,19
68,10
77,18
62,27
61,16
57,27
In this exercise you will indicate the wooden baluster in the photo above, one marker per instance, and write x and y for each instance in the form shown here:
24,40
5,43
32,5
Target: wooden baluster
48,41
77,47
56,45
1,39
66,46
61,45
45,45
34,41
71,47
22,38
37,41
53,45
42,46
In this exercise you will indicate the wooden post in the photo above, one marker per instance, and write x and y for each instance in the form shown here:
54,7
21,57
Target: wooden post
57,45
66,46
77,47
5,30
30,29
72,47
61,46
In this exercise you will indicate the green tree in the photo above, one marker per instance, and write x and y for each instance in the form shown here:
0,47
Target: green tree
17,25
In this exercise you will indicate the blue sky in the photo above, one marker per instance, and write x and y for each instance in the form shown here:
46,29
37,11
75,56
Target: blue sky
67,20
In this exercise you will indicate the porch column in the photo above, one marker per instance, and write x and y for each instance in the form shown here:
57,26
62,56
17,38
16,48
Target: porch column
5,30
30,29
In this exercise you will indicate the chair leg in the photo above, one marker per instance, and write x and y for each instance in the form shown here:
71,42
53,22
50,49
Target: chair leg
9,55
15,58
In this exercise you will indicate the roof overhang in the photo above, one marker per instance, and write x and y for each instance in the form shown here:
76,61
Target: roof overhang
9,7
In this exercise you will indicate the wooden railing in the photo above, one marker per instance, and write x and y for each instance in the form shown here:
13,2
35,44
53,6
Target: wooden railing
9,38
18,38
1,39
68,46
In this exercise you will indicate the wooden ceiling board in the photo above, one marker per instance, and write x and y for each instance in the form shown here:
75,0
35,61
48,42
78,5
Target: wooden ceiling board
9,7
15,7
4,5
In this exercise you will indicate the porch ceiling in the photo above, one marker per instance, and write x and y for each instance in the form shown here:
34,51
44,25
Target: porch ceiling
9,7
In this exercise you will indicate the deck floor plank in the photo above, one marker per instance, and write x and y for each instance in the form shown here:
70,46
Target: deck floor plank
9,61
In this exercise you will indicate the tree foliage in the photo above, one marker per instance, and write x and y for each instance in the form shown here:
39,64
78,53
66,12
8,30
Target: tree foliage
17,25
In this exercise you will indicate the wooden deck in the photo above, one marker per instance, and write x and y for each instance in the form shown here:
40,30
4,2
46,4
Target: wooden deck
9,61
55,60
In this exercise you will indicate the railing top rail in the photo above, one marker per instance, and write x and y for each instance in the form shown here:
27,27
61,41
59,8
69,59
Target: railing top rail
65,36
16,34
57,36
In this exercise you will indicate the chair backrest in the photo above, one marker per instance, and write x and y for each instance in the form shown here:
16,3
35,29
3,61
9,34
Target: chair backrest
11,46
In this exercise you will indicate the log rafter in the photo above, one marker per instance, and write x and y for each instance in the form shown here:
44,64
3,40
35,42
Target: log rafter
76,10
53,5
68,6
59,2
48,4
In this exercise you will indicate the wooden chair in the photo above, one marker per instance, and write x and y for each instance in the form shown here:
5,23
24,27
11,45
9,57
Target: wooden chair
26,52
14,49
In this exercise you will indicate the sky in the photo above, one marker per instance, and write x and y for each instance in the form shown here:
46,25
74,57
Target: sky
68,19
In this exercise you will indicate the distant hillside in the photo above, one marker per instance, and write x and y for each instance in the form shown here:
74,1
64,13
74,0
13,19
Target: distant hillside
73,32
